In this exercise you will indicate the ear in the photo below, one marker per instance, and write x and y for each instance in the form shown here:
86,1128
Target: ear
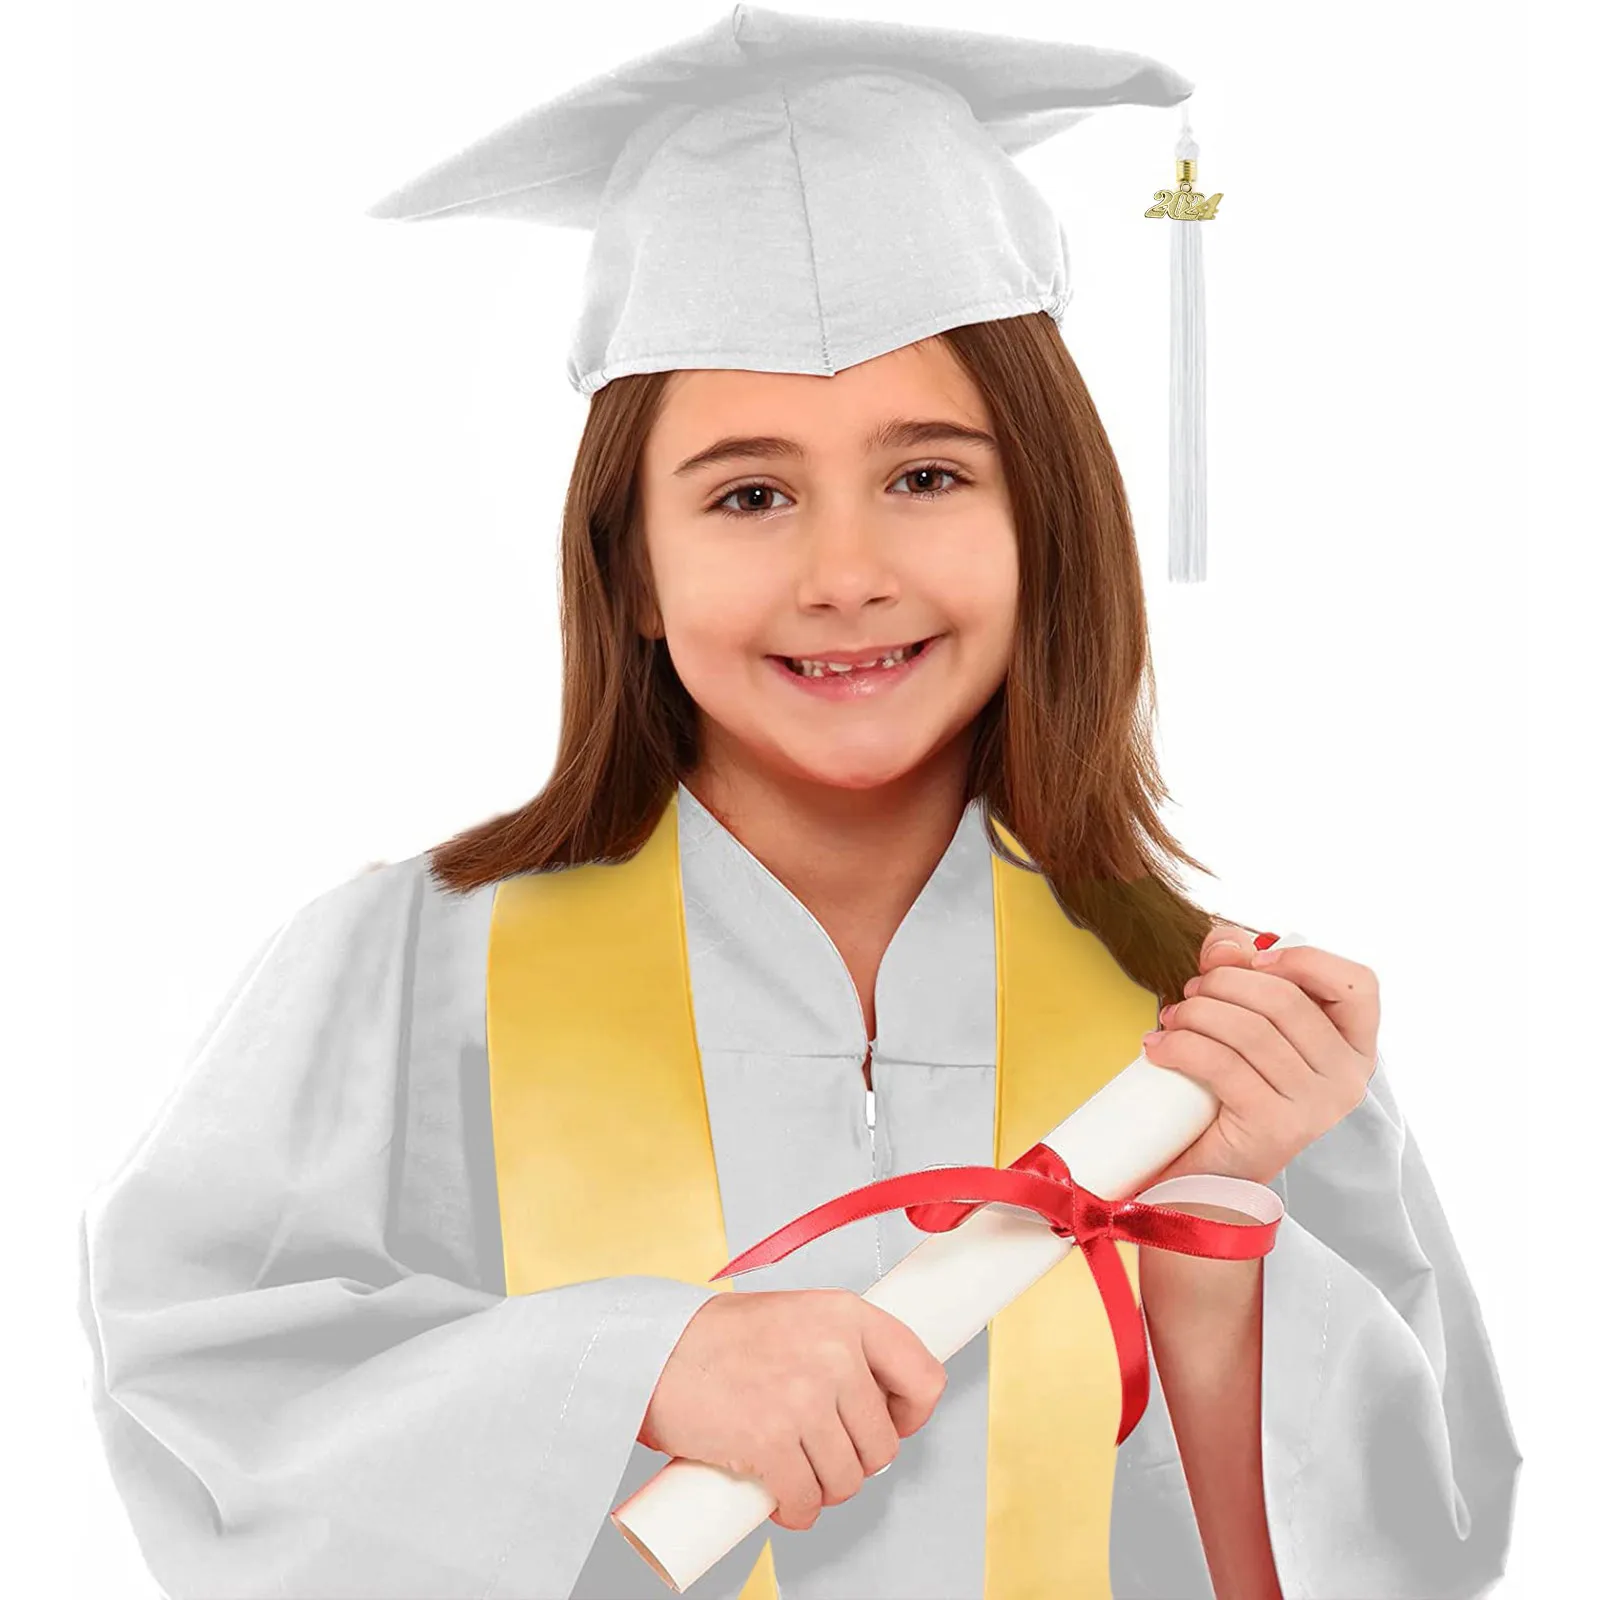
646,608
632,582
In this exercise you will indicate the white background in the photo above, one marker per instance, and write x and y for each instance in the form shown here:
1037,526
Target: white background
315,468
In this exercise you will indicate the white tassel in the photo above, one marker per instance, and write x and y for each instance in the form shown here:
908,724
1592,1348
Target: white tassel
1186,437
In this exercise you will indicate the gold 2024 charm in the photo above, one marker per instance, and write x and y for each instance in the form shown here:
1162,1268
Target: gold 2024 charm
1183,204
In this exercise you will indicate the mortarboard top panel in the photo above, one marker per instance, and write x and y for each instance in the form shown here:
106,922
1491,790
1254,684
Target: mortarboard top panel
781,193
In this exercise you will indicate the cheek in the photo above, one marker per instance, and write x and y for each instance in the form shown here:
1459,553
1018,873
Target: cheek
716,627
986,611
710,604
979,594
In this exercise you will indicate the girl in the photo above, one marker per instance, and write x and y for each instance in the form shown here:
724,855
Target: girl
410,1283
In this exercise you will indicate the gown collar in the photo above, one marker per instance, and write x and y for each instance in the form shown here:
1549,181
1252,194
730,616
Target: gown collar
768,980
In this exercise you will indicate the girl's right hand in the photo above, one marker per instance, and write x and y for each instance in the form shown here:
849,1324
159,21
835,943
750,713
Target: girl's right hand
809,1390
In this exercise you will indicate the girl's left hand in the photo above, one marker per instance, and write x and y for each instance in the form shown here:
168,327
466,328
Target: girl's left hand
1286,1047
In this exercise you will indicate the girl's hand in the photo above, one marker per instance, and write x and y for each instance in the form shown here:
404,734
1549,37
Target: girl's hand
1286,1047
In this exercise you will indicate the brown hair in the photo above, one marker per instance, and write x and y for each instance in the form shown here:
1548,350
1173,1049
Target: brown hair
1062,753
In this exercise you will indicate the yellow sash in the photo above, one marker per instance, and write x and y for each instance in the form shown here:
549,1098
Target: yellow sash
605,1166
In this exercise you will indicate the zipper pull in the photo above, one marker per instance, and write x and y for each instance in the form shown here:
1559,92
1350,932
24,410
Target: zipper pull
872,1109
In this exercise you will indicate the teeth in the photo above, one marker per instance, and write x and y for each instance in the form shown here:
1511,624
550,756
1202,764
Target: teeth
819,669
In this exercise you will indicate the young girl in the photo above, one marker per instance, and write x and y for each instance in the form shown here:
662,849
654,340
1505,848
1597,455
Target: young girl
410,1283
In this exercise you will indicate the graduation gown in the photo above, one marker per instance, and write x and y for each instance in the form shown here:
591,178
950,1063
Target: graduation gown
309,1380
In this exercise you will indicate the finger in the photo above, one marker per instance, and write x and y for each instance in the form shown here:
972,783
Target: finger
1240,1089
1251,1036
1346,990
1227,942
792,1481
832,1453
865,1415
911,1377
1284,1006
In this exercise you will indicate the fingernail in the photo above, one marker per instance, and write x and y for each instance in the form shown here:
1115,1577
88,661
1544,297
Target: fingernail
1226,944
1265,958
1150,1038
1165,1013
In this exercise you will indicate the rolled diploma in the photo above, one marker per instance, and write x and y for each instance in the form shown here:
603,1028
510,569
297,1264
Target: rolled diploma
690,1514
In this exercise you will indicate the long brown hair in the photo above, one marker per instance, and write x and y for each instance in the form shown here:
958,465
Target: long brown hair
1062,754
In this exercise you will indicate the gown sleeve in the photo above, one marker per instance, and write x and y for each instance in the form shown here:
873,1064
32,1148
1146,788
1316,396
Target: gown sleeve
1388,1461
294,1396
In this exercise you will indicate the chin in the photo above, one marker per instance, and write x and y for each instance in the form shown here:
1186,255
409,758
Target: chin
859,760
844,772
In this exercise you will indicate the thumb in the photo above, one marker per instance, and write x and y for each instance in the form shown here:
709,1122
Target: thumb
1229,944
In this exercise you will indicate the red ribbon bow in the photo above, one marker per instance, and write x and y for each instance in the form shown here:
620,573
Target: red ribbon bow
937,1199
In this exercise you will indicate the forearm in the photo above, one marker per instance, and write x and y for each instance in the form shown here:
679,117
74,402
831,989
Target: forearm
1204,1318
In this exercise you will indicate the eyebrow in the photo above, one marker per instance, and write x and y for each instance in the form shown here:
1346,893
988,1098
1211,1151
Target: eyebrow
898,433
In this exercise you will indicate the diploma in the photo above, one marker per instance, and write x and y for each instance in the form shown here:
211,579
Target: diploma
691,1514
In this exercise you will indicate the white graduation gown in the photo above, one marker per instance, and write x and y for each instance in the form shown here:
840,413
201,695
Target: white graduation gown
310,1383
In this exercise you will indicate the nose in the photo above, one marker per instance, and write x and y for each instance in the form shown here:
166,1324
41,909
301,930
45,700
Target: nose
847,562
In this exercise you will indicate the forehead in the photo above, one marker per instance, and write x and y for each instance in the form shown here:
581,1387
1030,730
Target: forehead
699,405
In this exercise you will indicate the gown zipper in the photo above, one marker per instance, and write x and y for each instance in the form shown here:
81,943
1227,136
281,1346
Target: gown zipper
872,1112
760,866
872,1146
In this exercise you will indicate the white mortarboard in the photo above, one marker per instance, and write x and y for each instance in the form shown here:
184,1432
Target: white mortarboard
784,193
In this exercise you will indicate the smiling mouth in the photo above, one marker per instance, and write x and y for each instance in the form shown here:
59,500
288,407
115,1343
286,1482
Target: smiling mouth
820,668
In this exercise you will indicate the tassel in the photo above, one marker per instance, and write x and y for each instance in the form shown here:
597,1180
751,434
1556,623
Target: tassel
1186,436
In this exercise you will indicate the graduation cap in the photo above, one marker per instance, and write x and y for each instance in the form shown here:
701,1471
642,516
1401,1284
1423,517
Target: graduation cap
784,193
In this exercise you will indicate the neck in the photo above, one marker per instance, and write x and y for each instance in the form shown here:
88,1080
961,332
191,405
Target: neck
850,856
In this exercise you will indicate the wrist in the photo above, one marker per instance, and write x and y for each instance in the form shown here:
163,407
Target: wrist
1188,1165
1190,1286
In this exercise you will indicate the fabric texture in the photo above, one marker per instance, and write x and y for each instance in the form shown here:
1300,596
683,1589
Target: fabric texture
310,1383
303,1384
785,193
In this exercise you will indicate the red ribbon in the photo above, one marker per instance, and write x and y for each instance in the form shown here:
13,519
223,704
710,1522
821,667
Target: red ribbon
939,1198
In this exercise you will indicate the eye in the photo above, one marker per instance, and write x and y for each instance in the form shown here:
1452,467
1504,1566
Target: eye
745,488
932,469
928,469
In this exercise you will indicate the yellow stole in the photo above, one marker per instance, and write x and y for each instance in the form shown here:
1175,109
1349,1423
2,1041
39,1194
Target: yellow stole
605,1165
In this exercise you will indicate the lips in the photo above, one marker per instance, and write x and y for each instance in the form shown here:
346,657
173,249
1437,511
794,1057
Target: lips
859,658
862,684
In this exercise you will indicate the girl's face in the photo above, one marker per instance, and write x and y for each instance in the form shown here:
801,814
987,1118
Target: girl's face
792,517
